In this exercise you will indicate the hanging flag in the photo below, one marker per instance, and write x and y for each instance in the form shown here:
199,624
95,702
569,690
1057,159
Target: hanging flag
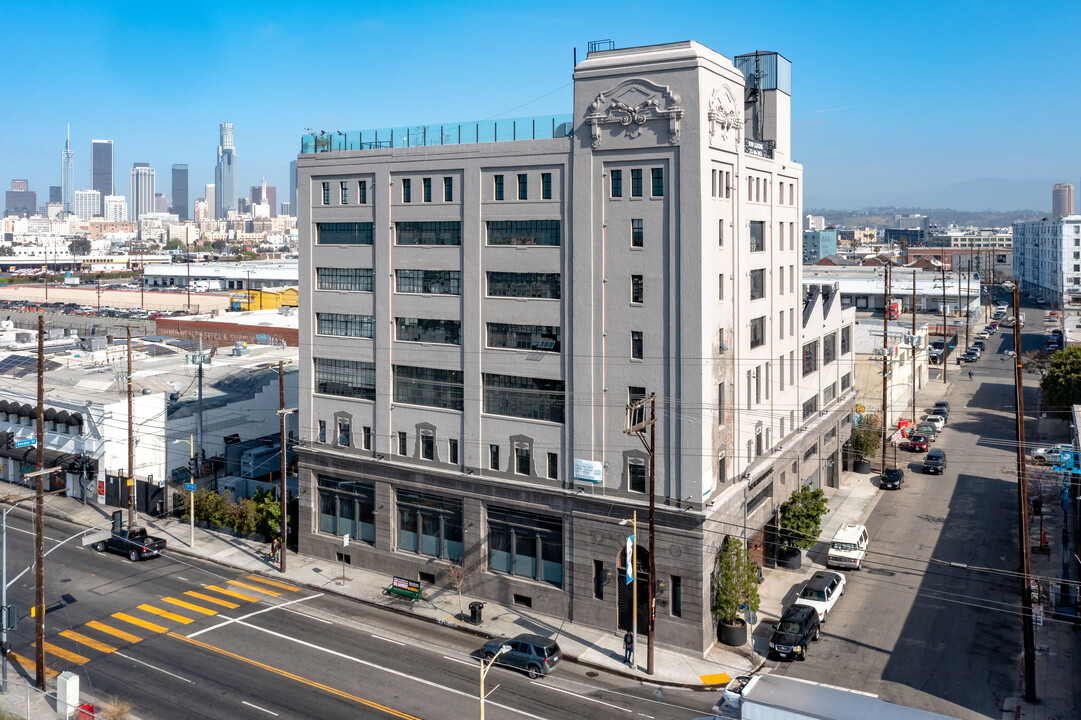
630,559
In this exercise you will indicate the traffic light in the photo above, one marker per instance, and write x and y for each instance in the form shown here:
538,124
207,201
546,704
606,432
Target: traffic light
76,465
193,467
11,441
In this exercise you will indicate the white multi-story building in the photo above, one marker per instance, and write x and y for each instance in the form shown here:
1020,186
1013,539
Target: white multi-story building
142,190
87,203
482,313
116,208
1047,258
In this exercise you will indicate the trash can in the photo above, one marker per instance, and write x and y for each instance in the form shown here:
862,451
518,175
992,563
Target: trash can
475,612
86,712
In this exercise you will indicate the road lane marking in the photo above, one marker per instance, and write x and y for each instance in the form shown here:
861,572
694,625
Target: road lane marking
252,705
583,697
141,623
458,660
30,666
246,586
88,641
216,601
291,676
165,614
380,637
113,631
153,667
275,583
189,606
63,654
374,666
257,612
232,593
309,617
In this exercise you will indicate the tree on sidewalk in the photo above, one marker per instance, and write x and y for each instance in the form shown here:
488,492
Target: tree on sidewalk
736,582
800,521
866,436
1061,383
461,574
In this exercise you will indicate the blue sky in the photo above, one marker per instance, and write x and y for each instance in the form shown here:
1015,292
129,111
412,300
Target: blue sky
888,98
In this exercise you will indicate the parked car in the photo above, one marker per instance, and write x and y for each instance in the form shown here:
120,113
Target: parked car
1041,301
968,357
892,479
980,344
974,349
928,431
938,421
797,627
942,413
1046,455
983,335
935,462
943,404
822,591
918,443
534,654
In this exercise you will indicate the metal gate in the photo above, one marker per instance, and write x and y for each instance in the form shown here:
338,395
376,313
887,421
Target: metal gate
149,497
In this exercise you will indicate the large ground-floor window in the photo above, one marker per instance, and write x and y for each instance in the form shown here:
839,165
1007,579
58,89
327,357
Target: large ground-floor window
347,507
525,544
430,525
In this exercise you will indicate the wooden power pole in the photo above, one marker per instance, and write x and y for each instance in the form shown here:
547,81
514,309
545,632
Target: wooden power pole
39,515
131,444
885,356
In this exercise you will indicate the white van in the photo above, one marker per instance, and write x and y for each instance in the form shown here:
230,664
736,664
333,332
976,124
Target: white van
848,547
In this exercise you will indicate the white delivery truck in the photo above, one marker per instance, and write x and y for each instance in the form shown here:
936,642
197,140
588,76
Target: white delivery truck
772,697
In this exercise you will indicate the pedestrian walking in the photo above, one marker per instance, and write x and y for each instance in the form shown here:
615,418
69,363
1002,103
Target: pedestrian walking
628,647
969,374
275,548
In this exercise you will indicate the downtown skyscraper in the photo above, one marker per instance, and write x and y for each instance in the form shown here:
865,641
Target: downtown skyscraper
101,169
67,175
225,174
180,191
142,190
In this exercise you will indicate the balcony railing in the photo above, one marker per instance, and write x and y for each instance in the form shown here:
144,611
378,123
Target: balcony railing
529,128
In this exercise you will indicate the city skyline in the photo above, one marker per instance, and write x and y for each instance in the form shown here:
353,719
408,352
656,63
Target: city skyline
857,71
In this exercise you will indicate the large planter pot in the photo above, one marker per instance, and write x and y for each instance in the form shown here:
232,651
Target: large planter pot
790,559
862,466
733,635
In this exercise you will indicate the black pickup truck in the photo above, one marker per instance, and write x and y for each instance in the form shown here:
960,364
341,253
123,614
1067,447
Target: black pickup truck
133,542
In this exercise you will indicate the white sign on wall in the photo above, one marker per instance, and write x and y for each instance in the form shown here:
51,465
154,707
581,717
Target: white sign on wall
588,471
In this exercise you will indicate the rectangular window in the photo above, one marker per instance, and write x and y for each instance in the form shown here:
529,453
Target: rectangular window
346,378
427,446
430,525
344,233
829,393
360,279
345,192
326,193
427,330
810,407
546,186
553,466
780,283
638,236
344,325
322,431
407,190
758,236
791,278
524,337
448,189
636,344
524,397
720,233
403,443
780,373
780,236
523,186
636,183
362,192
445,232
523,460
758,332
523,232
525,545
829,349
636,475
498,187
366,437
780,325
657,177
727,184
792,322
598,580
720,287
758,387
635,395
758,284
433,387
792,367
810,358
677,596
452,451
427,184
846,381
720,404
346,507
433,282
846,339
638,292
493,457
617,183
524,285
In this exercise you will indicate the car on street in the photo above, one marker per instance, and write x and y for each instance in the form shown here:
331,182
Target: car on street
733,692
534,654
918,443
133,542
942,412
892,479
935,462
1041,301
822,591
1045,455
928,431
993,326
937,420
969,357
797,628
983,335
977,350
943,404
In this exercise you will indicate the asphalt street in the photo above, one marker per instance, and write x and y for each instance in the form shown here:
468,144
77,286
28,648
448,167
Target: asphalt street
183,639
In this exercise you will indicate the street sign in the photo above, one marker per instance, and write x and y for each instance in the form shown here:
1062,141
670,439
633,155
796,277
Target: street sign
28,442
189,486
630,559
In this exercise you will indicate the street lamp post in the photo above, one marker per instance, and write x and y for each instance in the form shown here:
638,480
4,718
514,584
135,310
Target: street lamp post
632,574
484,668
191,492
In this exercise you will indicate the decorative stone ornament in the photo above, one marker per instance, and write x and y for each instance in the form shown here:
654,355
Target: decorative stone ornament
632,104
723,115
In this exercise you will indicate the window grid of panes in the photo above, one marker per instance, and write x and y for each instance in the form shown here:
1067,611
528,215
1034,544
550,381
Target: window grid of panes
523,232
523,187
846,339
638,235
362,192
530,398
758,284
498,187
636,183
657,177
758,332
361,326
360,279
347,378
427,184
524,285
524,337
829,349
347,507
810,407
432,387
758,236
446,332
617,183
525,545
435,282
430,525
344,233
810,358
546,186
447,232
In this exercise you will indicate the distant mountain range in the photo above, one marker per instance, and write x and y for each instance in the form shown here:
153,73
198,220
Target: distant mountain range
883,217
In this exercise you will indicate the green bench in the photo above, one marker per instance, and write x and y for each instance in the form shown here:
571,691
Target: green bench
403,587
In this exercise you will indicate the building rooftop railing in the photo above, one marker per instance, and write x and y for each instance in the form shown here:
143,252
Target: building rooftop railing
542,127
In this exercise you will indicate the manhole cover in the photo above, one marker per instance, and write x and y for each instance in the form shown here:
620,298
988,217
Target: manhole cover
592,673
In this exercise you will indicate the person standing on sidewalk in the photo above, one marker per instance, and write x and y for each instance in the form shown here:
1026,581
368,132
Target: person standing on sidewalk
628,647
275,548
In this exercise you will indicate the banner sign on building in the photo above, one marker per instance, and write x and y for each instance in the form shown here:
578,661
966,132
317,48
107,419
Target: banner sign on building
588,470
630,559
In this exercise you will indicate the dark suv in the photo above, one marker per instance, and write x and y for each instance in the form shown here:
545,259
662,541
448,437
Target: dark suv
535,654
935,462
798,626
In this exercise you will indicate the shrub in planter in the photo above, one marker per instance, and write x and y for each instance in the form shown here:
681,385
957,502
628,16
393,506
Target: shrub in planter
736,584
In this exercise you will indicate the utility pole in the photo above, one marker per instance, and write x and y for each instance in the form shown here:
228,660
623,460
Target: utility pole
1027,630
636,425
885,356
913,349
199,455
283,413
131,443
968,300
945,336
39,516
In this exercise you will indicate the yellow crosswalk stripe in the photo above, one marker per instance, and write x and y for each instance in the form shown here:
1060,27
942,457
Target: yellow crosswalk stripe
30,666
64,654
88,641
275,583
232,593
102,627
141,623
189,606
252,588
166,614
216,601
